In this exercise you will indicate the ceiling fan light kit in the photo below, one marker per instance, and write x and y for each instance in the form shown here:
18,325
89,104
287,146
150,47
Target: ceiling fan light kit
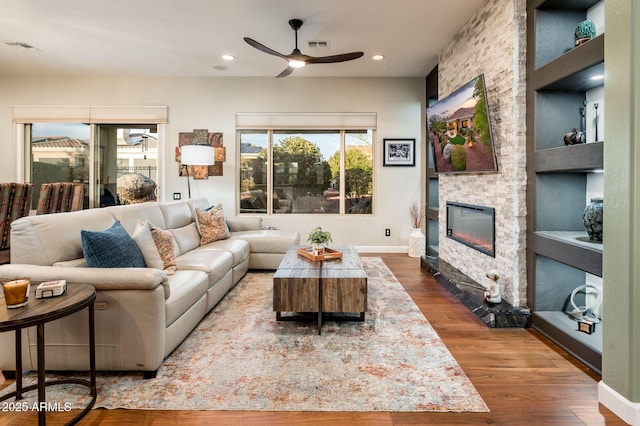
296,59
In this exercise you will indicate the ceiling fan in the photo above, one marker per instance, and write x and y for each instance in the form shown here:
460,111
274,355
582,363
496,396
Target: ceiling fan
297,59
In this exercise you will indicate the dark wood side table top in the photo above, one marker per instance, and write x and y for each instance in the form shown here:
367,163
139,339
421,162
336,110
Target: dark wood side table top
37,311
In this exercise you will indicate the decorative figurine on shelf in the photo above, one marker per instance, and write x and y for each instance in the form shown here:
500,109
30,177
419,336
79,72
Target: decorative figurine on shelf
592,219
492,292
585,31
575,137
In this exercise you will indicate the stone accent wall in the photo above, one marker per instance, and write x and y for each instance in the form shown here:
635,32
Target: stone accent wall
492,43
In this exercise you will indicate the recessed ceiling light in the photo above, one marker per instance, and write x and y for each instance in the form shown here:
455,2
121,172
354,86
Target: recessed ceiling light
597,77
377,57
228,57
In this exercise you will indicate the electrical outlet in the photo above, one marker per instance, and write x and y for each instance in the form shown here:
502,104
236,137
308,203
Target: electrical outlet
100,306
177,195
387,232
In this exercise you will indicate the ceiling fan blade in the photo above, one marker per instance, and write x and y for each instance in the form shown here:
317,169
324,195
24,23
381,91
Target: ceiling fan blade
286,72
263,48
334,58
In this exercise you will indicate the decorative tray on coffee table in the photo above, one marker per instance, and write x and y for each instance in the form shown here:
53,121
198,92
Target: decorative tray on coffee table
328,254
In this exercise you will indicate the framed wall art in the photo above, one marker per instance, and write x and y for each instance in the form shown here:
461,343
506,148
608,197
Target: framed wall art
399,152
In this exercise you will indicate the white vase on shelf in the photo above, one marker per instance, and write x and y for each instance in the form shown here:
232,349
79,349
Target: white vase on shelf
416,243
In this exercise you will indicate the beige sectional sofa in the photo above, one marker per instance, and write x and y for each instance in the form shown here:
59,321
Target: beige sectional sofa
142,314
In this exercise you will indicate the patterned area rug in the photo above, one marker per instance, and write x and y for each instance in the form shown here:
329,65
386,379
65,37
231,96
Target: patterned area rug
240,358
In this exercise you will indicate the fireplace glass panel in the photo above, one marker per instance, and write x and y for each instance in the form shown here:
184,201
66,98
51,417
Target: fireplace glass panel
472,226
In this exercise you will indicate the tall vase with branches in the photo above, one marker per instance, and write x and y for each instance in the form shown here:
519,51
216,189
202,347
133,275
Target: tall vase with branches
416,237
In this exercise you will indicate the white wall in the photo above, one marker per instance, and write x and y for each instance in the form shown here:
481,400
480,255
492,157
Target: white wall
213,102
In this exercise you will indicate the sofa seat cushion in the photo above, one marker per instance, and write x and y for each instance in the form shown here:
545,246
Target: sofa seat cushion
186,288
214,263
239,249
268,240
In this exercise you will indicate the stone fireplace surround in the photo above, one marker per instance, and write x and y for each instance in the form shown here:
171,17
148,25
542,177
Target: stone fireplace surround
493,43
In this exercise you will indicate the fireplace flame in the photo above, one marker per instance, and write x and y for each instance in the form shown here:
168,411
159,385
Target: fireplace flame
473,240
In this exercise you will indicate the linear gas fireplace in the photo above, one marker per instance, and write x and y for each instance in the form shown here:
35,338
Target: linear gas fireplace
472,225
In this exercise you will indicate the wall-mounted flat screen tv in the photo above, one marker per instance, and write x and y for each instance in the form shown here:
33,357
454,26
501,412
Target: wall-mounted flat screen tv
459,130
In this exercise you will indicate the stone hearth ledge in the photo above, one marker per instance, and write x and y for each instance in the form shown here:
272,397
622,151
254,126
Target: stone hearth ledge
471,294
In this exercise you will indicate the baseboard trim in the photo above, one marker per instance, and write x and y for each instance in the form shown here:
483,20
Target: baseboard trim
382,249
618,404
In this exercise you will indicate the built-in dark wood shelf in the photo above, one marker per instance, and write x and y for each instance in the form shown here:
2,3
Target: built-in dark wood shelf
564,4
572,158
570,248
558,327
572,71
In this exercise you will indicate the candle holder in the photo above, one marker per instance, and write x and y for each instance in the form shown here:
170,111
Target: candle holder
16,292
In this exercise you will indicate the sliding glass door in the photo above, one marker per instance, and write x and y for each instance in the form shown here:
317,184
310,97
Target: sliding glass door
59,153
121,160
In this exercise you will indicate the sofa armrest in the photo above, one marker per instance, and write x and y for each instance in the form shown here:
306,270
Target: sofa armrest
100,278
244,223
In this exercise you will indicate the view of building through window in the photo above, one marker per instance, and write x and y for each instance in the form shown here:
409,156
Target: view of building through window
307,172
125,160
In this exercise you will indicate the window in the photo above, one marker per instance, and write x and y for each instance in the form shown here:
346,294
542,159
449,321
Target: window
312,172
114,151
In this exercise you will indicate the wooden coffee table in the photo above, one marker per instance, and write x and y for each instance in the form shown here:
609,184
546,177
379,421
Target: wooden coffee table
319,289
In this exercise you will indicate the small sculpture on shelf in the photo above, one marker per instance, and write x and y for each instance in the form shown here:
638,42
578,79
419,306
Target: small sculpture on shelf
492,290
575,137
585,31
592,219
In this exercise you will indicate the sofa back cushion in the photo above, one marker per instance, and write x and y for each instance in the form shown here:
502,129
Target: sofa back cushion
176,214
187,238
129,215
47,239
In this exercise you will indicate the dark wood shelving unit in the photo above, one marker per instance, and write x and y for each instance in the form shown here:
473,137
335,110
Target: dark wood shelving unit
559,254
432,213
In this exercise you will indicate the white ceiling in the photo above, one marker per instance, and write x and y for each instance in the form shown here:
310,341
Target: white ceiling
188,37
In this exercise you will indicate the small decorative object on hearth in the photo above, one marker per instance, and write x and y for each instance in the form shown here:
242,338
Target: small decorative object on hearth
592,218
319,238
492,290
416,237
16,292
585,31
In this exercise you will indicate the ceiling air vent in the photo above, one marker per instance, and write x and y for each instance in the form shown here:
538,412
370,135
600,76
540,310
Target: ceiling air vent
317,44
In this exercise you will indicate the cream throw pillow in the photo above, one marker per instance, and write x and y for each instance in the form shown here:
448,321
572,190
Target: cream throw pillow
144,241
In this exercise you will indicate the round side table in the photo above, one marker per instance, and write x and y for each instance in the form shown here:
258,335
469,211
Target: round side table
37,313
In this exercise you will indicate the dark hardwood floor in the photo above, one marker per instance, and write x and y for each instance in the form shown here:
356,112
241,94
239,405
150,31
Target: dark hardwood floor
524,378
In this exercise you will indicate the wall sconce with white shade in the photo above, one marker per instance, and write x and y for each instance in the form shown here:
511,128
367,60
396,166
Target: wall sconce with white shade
196,155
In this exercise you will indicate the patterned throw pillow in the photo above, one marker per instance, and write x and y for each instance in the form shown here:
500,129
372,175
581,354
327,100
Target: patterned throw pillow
165,243
112,248
211,225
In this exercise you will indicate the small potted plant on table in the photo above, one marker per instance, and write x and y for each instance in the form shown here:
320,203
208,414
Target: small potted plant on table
319,238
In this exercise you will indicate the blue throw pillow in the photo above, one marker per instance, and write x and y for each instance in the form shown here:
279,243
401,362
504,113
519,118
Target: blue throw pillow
113,248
